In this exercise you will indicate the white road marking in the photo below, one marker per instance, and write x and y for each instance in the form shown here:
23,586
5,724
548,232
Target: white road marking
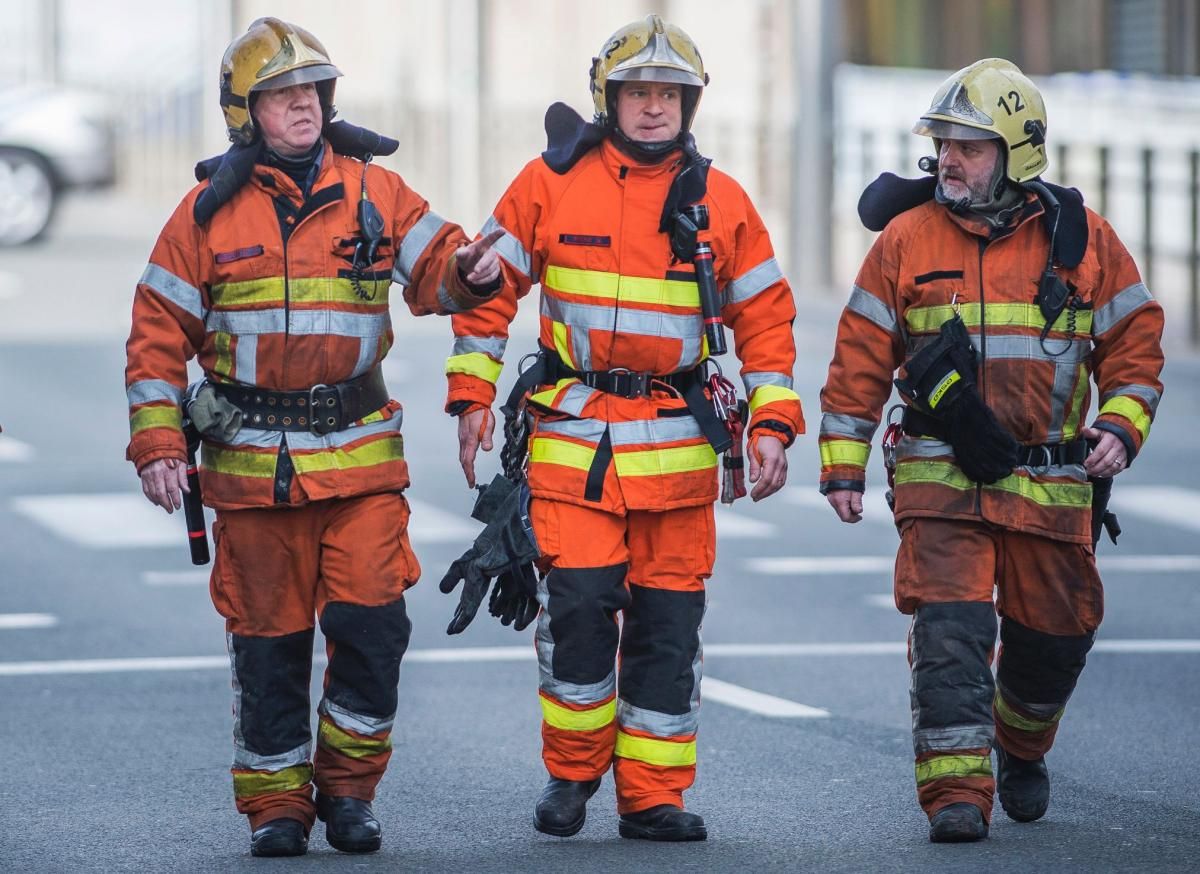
740,527
14,450
875,508
875,564
742,698
27,620
1171,504
129,521
527,654
175,578
887,601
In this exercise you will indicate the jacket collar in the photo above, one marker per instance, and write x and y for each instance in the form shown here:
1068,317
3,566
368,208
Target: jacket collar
980,227
622,166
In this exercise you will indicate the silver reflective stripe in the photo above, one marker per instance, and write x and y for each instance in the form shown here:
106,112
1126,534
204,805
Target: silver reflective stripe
415,242
654,431
754,380
574,399
839,425
257,437
250,322
870,307
690,353
301,323
174,289
244,758
1060,396
623,321
918,447
305,441
581,429
753,281
509,248
1030,349
1126,301
658,724
446,302
357,722
1044,711
367,347
239,740
246,360
493,346
146,390
953,737
1143,393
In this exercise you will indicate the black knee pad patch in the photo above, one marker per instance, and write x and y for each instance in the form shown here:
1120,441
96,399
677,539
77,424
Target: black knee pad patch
1040,668
273,675
582,604
659,644
951,680
368,643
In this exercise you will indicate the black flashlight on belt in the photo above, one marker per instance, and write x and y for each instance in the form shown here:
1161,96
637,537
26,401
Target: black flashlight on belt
694,218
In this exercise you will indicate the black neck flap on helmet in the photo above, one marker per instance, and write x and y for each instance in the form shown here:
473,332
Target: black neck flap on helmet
230,171
568,137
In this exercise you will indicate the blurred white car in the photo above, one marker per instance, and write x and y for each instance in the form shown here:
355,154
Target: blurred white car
51,140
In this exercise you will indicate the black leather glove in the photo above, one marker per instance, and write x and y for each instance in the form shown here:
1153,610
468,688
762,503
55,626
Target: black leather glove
983,448
514,598
504,546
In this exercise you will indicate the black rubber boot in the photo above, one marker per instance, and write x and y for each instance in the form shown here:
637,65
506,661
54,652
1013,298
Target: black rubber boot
279,837
958,823
666,822
562,807
1023,786
350,824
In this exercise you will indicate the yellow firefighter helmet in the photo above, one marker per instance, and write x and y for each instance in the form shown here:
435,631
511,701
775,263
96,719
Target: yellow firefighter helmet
990,99
271,54
649,50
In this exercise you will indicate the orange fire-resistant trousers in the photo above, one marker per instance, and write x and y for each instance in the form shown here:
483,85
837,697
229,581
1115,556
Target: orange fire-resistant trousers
626,693
346,564
1050,600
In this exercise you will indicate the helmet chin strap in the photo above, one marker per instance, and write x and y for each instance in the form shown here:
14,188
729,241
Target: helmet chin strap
645,153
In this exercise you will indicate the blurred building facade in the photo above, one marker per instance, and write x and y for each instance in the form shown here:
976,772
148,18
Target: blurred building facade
809,99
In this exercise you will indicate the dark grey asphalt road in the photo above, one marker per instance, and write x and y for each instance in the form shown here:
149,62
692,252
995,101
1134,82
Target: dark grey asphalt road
126,770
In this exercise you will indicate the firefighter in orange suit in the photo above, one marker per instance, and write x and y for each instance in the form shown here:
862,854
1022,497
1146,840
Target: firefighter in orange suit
274,272
621,473
999,298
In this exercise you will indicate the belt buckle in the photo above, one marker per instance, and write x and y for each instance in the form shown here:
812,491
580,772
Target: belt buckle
639,384
323,409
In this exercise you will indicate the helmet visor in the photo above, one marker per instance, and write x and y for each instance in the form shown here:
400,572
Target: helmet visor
298,76
671,75
947,130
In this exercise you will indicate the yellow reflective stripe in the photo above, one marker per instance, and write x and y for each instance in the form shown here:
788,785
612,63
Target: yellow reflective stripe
317,289
1131,410
333,738
766,394
947,474
953,766
1010,315
478,364
547,397
614,286
224,362
578,720
547,450
665,753
385,449
942,387
156,417
247,784
1075,410
559,330
851,452
235,463
1010,717
656,462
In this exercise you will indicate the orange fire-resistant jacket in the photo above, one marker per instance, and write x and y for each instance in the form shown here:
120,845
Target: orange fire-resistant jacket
279,315
928,257
612,297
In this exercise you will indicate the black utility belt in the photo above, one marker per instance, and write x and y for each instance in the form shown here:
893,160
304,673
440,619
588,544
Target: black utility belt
916,424
625,383
321,409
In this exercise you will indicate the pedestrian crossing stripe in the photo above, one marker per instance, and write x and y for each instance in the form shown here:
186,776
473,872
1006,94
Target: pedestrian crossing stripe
14,451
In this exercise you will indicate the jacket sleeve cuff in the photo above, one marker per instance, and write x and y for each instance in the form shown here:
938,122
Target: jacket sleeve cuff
774,428
849,485
1131,449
